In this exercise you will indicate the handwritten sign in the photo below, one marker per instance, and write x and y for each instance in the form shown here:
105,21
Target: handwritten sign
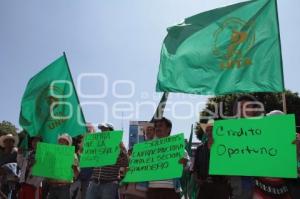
156,160
101,149
54,161
255,147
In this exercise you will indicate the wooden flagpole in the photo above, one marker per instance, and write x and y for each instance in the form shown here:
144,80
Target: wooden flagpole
284,103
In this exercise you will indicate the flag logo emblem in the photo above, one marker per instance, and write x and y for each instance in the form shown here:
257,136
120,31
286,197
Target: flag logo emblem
48,105
239,37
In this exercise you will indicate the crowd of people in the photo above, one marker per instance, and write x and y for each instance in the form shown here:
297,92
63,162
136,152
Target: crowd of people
17,181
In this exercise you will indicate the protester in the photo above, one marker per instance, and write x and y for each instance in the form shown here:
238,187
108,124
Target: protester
166,188
139,190
9,178
245,106
90,128
9,152
104,182
269,188
132,190
75,188
211,187
8,163
104,127
30,186
81,184
294,184
60,189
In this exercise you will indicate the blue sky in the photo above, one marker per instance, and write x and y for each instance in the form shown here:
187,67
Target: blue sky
118,39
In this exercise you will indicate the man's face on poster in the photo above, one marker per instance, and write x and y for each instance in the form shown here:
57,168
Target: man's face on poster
150,132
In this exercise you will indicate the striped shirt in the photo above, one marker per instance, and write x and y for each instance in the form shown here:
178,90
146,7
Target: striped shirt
111,173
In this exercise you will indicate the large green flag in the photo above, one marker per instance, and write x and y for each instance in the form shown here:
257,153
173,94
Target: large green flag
50,105
226,50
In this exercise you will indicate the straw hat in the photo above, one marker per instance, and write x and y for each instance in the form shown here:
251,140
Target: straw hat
9,136
275,112
66,137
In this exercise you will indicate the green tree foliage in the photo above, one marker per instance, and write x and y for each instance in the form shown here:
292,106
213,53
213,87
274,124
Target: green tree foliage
271,101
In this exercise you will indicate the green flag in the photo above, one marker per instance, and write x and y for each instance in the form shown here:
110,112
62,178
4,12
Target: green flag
226,50
50,105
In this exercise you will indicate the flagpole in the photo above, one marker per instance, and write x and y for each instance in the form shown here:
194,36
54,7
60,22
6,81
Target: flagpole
283,93
161,107
65,56
191,138
284,103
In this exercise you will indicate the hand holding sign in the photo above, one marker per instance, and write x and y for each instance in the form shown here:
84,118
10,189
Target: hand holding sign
156,160
297,140
183,161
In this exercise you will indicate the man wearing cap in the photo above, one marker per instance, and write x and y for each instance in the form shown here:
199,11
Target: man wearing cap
211,187
59,189
104,182
105,127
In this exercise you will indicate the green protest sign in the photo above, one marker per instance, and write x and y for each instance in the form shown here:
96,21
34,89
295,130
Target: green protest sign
255,147
54,161
156,160
101,149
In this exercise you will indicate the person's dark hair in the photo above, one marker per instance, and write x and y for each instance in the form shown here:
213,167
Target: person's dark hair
76,141
166,121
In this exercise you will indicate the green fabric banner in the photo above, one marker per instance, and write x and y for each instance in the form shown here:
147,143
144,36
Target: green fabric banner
54,161
50,105
226,50
101,149
156,160
255,147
